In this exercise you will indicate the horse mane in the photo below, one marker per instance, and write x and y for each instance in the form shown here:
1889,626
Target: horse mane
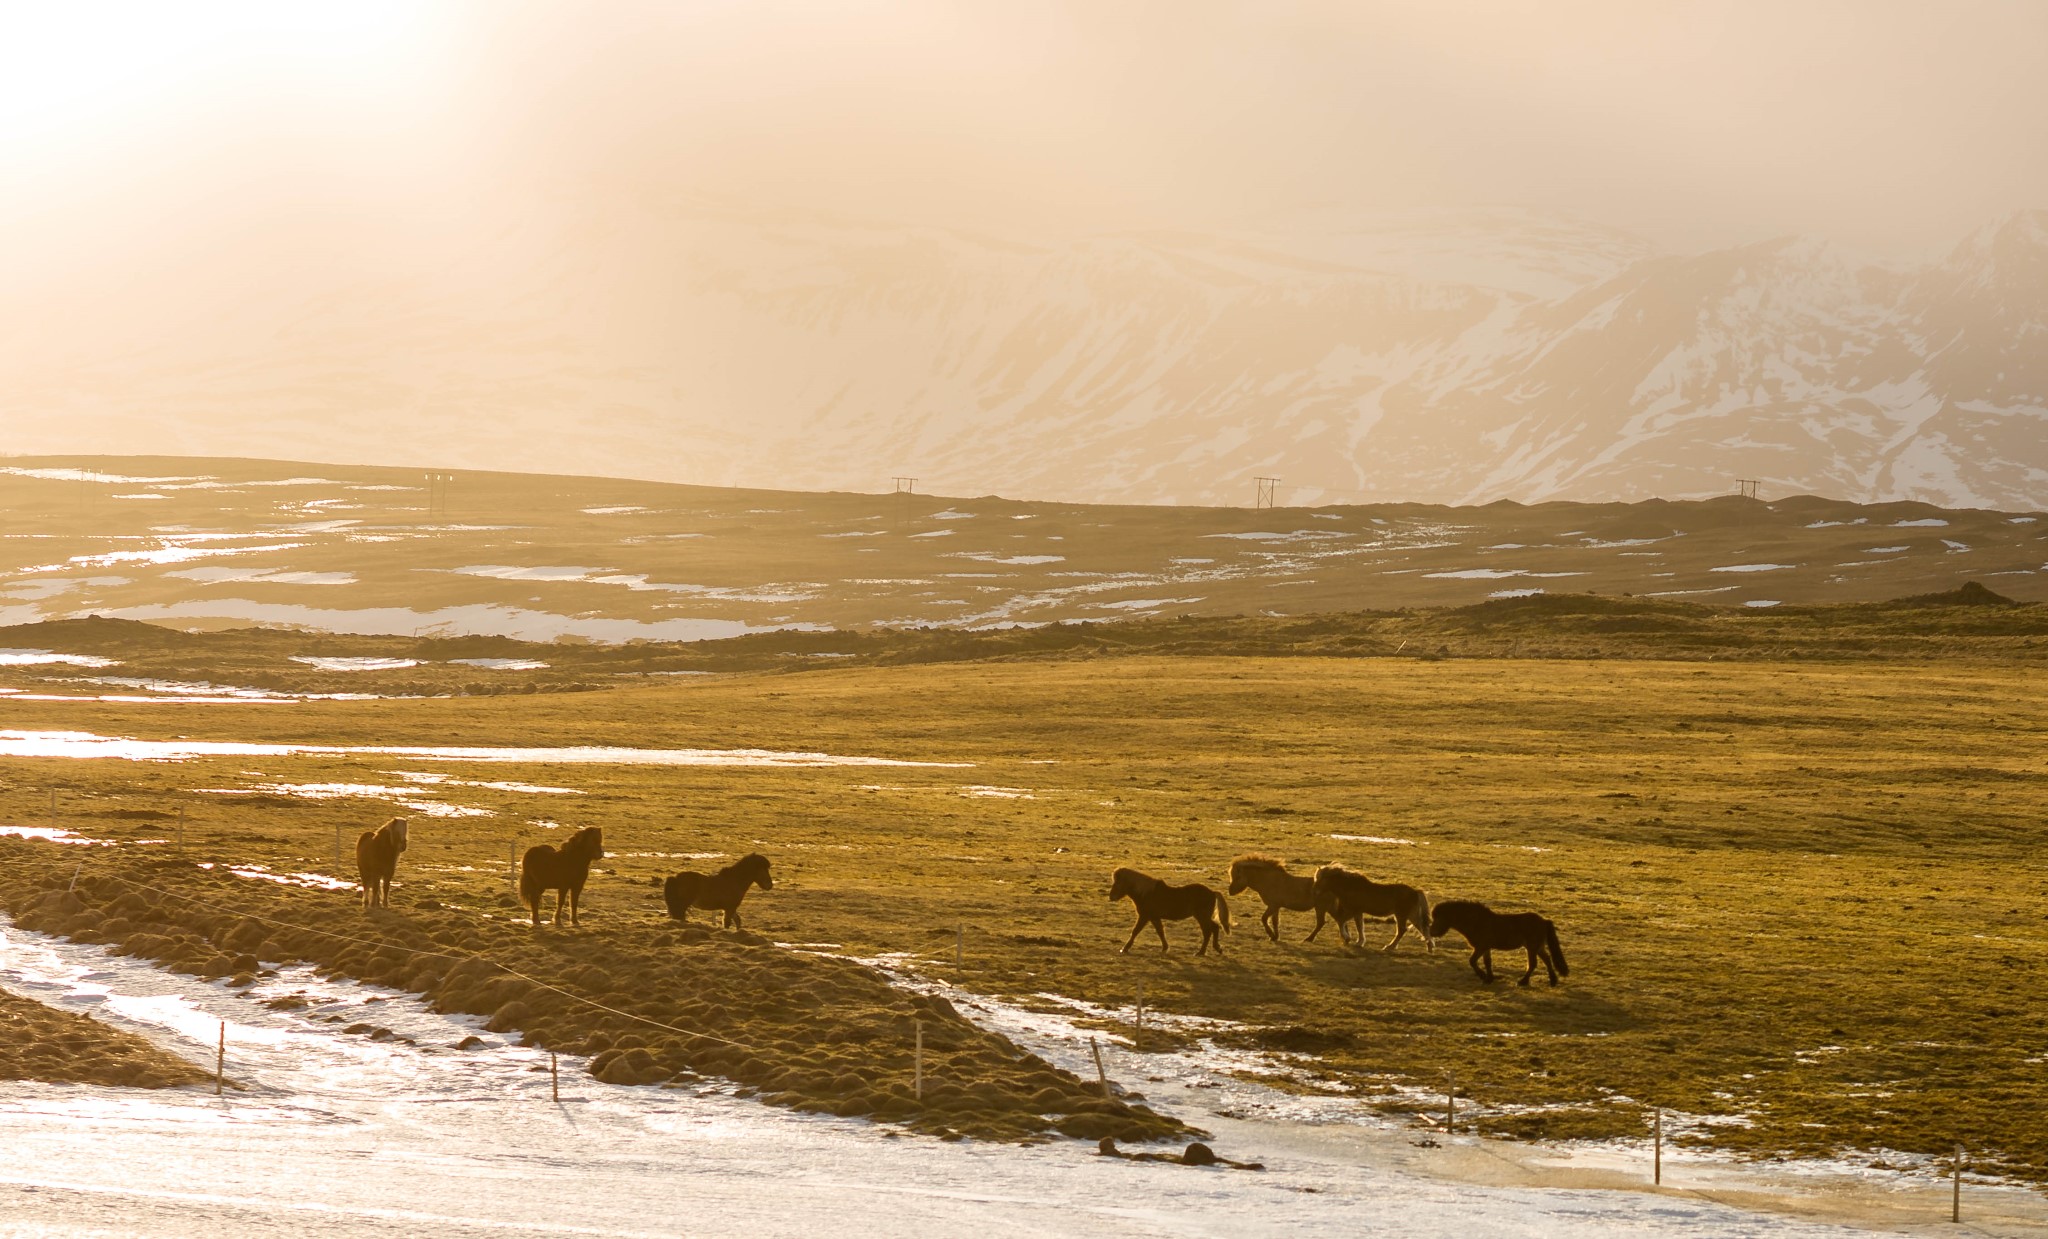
751,863
1258,860
394,831
585,844
1133,880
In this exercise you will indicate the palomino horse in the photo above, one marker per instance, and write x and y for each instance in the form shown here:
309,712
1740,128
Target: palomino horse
1159,901
1487,930
1349,898
563,871
718,892
1279,888
377,861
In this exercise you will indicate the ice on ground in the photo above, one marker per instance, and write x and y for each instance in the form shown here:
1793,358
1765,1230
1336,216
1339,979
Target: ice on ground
1375,839
1516,593
950,515
264,873
404,797
502,664
355,664
1762,602
614,511
1000,793
1493,574
84,744
1753,568
53,834
1930,522
43,658
1885,550
263,576
174,553
513,572
470,1144
475,619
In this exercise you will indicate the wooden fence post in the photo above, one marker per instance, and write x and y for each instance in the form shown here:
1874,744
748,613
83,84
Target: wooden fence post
1450,1102
220,1060
1657,1162
1139,1034
1101,1076
917,1081
960,947
1955,1200
554,1078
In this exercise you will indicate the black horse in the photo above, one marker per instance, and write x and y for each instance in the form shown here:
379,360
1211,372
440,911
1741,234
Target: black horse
1487,930
717,892
562,870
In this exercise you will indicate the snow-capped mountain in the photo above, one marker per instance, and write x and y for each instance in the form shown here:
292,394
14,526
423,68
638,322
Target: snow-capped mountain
1449,358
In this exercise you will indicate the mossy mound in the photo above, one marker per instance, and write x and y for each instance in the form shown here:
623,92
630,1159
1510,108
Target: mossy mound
811,1032
43,1043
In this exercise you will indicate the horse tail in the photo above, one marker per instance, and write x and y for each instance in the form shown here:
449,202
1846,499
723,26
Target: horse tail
1421,914
1223,913
532,885
1556,951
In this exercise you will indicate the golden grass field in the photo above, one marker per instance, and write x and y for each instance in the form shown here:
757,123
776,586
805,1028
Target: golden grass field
1803,896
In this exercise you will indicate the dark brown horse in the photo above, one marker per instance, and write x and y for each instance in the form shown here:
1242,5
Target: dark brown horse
377,861
1348,898
1488,930
1279,888
563,871
1158,902
717,892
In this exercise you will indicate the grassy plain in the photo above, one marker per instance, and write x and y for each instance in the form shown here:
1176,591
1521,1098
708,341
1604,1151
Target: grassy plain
1802,895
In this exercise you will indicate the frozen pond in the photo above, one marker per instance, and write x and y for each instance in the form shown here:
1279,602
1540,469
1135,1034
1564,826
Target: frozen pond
84,744
330,1133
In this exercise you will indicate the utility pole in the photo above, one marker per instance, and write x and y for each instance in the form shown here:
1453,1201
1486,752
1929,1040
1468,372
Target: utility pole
1746,487
1266,487
437,492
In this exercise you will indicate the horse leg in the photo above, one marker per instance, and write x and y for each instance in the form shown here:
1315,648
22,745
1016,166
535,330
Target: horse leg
561,897
732,918
1549,965
576,906
1319,926
1532,949
1272,921
1134,934
1159,926
1400,932
1474,962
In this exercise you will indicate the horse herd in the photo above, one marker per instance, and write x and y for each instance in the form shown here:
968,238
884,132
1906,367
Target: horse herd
1337,894
1334,893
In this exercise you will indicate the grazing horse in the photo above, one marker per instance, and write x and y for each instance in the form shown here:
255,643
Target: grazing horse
1486,929
563,871
1279,888
1349,898
719,892
1158,902
377,861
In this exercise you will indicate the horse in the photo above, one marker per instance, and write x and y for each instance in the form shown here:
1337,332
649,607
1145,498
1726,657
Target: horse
719,892
377,861
563,871
1349,898
1279,888
1486,930
1158,902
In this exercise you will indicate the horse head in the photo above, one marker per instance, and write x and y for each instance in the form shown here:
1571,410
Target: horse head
587,842
1129,883
396,828
754,867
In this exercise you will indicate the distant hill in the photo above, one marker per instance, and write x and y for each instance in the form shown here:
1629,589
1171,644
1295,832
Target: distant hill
210,543
1455,359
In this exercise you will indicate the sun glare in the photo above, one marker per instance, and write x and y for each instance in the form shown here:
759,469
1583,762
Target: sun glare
73,74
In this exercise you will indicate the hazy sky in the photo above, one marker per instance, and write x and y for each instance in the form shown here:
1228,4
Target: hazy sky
1888,125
